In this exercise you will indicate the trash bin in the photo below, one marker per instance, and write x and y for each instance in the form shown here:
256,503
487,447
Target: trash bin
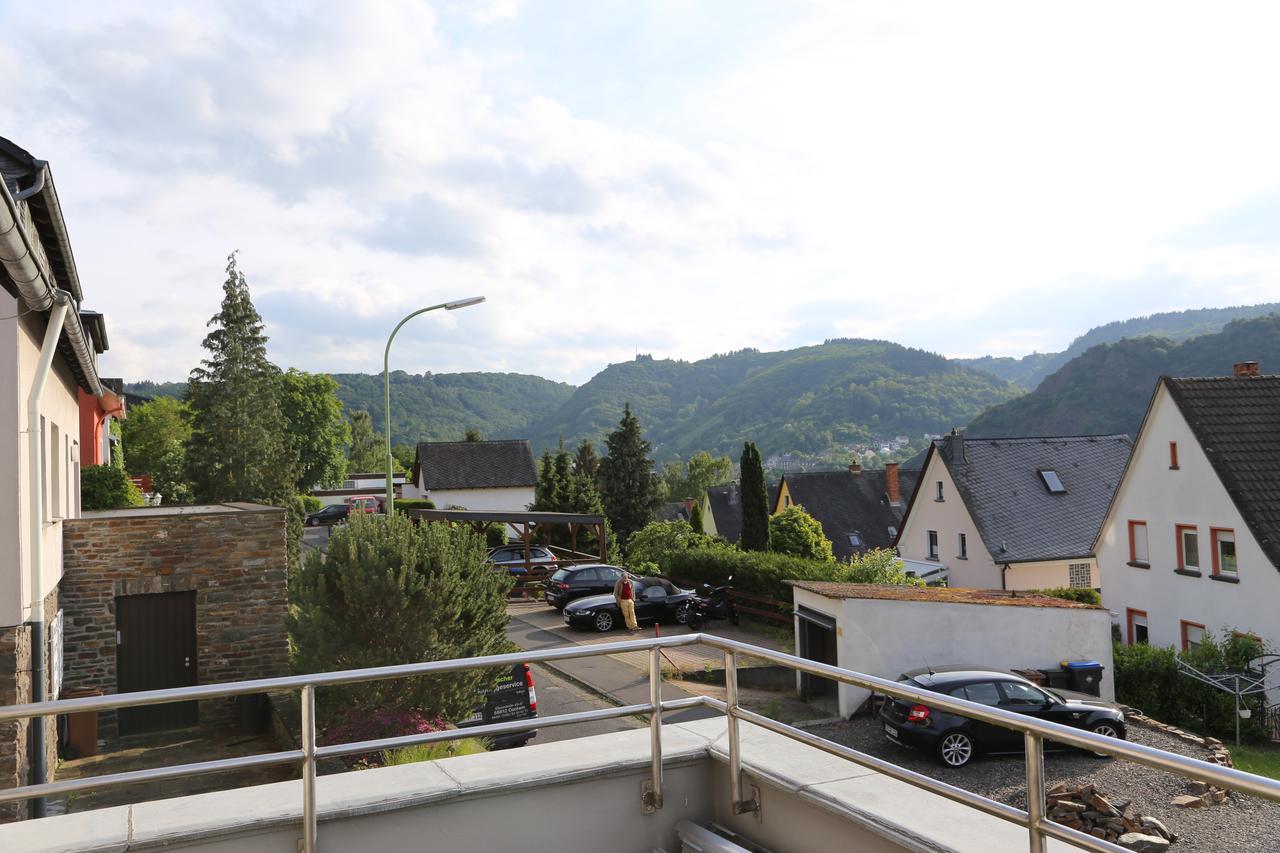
82,727
1085,676
1035,676
1056,679
255,713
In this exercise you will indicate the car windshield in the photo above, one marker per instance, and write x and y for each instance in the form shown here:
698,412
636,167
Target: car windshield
560,574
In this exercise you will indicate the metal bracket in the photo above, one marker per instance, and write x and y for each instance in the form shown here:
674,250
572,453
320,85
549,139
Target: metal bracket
750,805
649,801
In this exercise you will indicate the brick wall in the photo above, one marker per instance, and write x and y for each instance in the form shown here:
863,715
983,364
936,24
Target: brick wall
235,562
15,689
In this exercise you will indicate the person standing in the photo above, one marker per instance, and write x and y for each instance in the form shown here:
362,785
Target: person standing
624,592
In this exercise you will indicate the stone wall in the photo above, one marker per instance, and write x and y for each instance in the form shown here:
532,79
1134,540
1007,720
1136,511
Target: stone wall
15,689
232,556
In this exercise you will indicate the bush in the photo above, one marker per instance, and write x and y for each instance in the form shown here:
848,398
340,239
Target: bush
1084,596
107,487
434,751
657,539
309,504
391,592
376,723
794,531
414,503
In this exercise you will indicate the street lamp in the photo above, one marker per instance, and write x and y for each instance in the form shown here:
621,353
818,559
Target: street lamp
386,380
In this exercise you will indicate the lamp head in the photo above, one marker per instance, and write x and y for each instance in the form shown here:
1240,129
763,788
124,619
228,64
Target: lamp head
463,303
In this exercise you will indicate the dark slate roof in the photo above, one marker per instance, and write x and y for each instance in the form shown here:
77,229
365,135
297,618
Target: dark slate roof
726,509
1237,423
1018,519
672,511
475,464
844,502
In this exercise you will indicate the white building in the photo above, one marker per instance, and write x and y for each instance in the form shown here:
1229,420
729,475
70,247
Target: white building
1191,542
1012,513
476,475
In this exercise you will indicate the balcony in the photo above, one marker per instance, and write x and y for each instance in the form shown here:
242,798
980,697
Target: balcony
756,783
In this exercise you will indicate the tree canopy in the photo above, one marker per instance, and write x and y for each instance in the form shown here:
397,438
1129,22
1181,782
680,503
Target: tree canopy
793,531
627,483
368,452
155,436
317,428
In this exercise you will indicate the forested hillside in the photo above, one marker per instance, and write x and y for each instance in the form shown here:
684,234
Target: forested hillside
1029,370
1106,389
807,400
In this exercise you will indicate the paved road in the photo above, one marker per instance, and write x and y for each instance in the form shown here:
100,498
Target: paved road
557,695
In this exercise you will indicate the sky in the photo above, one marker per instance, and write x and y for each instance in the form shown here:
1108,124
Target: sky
671,177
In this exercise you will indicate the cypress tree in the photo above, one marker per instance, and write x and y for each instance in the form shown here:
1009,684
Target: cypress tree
695,516
627,482
239,448
755,501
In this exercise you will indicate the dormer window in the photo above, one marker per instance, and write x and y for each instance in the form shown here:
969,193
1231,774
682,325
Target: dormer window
1052,481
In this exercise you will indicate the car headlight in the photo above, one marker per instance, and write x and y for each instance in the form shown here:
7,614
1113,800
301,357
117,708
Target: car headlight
583,612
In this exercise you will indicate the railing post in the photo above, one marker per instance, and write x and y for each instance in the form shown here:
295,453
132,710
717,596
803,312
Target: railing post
308,769
1034,744
653,798
735,749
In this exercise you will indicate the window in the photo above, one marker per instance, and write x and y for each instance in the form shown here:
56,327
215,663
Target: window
1192,635
1080,575
893,532
1173,456
1052,481
44,474
1224,550
75,477
1137,620
1188,542
937,496
55,470
963,552
1017,693
1138,554
983,692
786,500
933,544
855,540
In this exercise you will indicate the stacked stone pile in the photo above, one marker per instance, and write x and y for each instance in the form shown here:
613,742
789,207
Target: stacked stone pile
1088,811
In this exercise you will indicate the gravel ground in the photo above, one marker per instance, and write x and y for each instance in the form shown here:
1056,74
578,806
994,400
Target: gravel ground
1242,824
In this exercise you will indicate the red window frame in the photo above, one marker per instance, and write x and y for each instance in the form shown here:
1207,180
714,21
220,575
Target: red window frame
1173,456
1133,557
1184,626
1213,546
1178,530
1129,613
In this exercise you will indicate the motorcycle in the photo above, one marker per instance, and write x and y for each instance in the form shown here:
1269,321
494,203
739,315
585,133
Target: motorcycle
711,602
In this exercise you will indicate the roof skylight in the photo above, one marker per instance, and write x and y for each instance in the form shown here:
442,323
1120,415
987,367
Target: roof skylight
1052,482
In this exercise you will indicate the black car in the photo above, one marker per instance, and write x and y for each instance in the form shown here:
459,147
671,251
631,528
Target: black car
657,600
514,698
572,582
955,739
328,515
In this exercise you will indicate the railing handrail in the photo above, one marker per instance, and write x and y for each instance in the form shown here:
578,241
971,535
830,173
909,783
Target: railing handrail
1034,731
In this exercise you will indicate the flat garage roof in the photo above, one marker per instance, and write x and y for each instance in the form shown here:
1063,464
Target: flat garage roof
938,594
160,511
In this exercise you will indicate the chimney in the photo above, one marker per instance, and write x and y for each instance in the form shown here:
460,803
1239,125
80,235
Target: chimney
855,468
688,507
1246,369
891,484
955,446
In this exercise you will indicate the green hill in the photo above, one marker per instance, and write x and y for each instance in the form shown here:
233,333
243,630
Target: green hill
1028,371
807,400
1106,389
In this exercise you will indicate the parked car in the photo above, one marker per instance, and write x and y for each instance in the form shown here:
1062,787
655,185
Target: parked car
331,514
955,739
511,558
657,600
573,582
514,698
364,503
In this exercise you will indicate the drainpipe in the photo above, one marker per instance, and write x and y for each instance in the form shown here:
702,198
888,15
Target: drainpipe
35,527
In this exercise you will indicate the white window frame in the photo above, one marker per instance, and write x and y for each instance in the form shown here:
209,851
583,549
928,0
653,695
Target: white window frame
962,546
1139,547
932,539
1217,536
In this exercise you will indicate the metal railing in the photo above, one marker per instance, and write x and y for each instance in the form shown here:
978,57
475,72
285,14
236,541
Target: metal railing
1035,733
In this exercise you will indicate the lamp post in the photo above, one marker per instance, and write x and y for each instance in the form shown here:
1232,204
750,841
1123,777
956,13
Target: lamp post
386,381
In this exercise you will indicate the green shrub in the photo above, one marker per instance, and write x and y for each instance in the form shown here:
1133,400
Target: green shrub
414,503
651,543
434,751
1084,596
793,531
309,503
107,487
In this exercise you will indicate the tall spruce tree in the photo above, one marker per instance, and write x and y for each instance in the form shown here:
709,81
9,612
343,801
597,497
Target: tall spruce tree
240,448
368,454
585,460
755,501
628,485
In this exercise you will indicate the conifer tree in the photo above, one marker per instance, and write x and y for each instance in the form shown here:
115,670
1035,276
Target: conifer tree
628,485
585,460
755,501
368,454
240,449
695,516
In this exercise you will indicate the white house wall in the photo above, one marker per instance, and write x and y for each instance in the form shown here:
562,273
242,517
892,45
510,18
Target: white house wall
1193,494
12,464
511,499
870,632
950,517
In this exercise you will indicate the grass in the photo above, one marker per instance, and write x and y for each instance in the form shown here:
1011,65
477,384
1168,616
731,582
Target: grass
1261,759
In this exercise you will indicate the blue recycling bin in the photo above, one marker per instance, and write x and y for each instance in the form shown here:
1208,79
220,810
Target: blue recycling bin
1084,676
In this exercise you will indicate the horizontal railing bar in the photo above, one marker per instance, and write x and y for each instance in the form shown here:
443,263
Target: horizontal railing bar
327,679
1225,777
511,727
681,704
1080,839
155,774
951,792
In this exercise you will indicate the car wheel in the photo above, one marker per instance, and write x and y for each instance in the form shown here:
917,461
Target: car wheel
682,614
1106,728
603,621
955,749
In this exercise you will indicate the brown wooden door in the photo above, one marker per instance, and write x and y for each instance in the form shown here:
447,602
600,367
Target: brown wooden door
156,649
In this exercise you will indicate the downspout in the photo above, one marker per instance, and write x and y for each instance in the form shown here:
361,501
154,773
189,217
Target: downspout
35,528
